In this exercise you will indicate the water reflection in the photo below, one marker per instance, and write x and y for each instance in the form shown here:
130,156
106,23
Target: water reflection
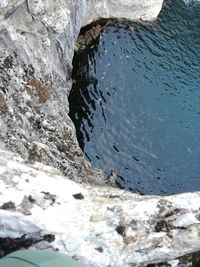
136,101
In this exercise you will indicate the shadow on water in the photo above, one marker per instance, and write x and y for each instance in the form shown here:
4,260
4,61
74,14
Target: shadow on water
135,100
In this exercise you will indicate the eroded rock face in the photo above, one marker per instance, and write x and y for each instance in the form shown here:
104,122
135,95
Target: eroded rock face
99,226
39,205
133,10
37,42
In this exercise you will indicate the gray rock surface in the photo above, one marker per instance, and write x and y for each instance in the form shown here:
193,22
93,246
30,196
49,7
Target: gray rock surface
39,205
37,39
37,45
36,49
136,10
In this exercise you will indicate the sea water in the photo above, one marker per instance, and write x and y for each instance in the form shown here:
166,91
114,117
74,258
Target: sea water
135,101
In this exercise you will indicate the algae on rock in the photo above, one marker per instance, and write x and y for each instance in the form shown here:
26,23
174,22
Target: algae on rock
101,226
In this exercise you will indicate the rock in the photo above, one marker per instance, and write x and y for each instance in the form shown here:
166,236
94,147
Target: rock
37,7
7,7
37,45
36,52
99,226
63,206
133,10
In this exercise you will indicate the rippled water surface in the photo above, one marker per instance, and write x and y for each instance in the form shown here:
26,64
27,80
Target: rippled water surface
136,101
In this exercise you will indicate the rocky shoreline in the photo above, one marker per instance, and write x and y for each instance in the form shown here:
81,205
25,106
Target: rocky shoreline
67,206
98,226
37,47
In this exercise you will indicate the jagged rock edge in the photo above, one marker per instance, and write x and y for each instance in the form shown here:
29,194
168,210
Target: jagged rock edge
36,56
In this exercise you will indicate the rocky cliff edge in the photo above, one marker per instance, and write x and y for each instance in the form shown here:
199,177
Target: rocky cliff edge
50,196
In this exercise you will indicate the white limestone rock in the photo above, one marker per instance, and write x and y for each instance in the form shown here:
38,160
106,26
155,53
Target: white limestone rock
57,19
7,7
37,6
133,10
37,41
100,226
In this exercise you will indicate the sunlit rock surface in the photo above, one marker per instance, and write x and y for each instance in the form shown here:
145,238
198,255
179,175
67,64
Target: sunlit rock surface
99,226
37,40
36,50
40,206
136,10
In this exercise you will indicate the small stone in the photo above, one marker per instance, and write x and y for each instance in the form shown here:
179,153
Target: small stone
31,199
99,249
8,206
78,196
129,239
120,229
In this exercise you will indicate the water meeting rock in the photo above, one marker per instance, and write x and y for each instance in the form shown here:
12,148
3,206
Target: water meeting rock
67,206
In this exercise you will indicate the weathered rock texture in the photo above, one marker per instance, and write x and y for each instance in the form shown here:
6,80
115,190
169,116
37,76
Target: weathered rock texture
37,39
98,226
38,206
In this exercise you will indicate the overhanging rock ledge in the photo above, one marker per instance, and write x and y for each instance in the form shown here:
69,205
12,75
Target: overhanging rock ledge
39,205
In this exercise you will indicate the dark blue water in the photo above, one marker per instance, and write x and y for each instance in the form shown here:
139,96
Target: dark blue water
136,101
